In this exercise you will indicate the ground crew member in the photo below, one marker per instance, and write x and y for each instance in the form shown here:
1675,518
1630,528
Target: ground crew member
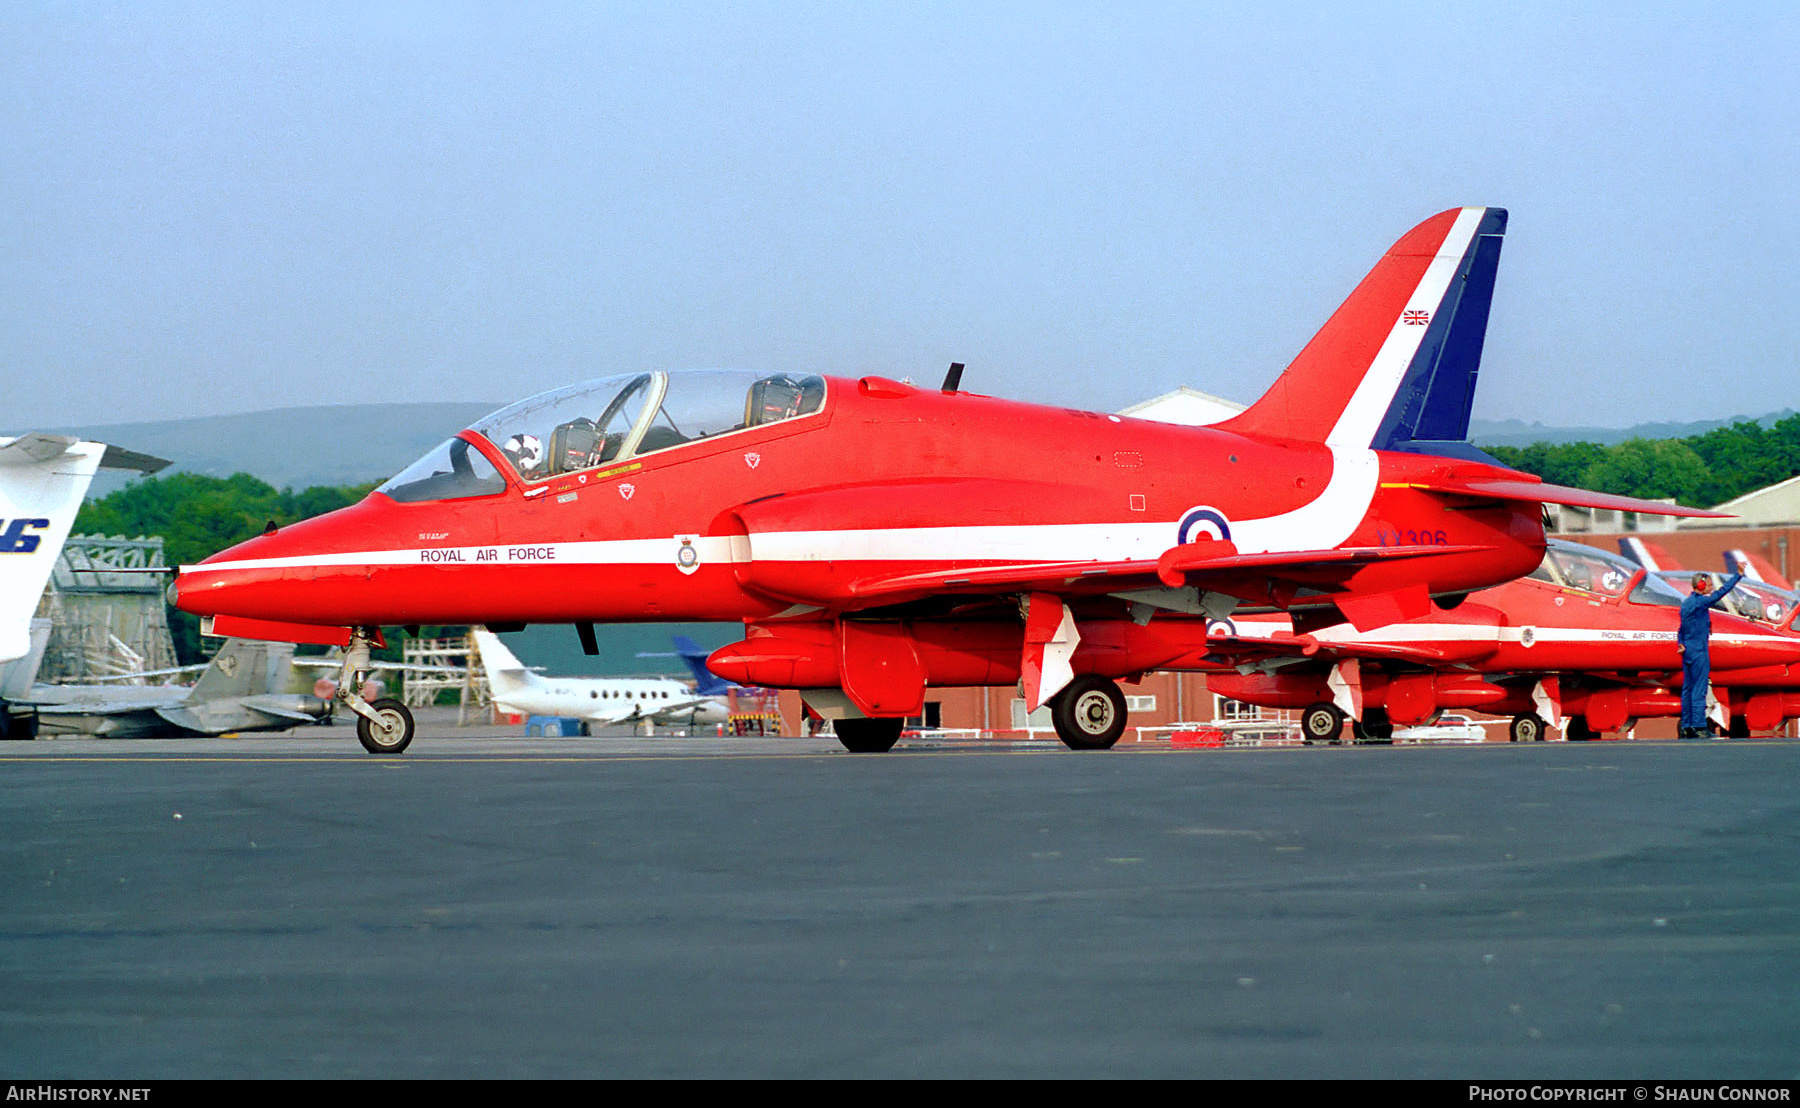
1691,644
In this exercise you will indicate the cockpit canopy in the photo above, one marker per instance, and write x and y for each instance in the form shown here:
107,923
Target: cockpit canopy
1755,600
604,422
1584,567
616,419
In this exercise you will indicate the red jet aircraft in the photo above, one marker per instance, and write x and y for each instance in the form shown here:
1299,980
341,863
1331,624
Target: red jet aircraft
876,538
1588,636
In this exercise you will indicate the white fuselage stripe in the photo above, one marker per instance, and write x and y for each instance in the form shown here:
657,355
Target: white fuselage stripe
1323,523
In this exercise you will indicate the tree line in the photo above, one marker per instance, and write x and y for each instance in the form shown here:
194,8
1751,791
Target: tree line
1700,471
198,516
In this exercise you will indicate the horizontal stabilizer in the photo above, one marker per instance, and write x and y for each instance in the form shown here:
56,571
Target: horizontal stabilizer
276,710
1522,488
186,720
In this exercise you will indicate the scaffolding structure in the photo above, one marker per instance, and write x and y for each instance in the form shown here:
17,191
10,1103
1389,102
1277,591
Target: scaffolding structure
755,712
434,665
107,616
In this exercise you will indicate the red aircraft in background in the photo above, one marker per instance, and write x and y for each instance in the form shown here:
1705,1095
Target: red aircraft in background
1588,637
876,538
1755,567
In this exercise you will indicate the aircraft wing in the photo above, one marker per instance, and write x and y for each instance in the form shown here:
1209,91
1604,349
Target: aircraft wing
51,700
379,664
1215,566
94,707
785,554
624,713
687,705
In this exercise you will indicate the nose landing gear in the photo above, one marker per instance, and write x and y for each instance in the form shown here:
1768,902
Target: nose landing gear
384,726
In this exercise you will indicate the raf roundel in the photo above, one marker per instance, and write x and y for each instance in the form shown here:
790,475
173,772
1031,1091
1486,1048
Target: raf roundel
1203,521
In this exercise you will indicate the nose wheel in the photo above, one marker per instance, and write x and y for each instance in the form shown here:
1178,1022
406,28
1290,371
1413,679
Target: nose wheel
388,730
1089,714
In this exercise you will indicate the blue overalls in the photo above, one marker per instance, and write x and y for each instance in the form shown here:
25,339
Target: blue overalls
1696,666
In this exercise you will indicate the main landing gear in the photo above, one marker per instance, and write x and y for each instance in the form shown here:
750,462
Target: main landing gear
1374,727
1527,728
868,736
1322,723
384,726
1089,714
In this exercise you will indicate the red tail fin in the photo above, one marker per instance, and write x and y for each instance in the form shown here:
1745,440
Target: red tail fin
1396,363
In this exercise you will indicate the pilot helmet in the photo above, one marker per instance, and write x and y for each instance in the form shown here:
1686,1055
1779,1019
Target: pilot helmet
526,452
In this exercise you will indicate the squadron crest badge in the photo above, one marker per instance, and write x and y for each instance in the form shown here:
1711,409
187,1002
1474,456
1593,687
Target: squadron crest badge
687,555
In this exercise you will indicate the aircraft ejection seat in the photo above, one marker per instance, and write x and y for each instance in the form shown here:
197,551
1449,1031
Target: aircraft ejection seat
574,445
773,399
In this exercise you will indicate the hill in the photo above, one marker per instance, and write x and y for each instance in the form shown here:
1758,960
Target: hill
1516,432
344,444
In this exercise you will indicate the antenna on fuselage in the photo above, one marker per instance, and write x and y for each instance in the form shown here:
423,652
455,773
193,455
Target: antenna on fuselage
953,379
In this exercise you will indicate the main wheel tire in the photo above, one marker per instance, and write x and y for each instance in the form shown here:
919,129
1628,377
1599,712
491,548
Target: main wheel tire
1374,727
1527,728
1579,731
390,732
1740,727
1322,723
1089,714
868,736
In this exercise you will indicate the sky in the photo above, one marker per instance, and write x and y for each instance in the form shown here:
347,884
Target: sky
211,208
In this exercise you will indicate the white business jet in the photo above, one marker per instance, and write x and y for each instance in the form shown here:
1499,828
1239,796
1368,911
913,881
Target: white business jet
594,700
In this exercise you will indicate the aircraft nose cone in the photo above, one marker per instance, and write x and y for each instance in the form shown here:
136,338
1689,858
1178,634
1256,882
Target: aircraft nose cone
172,594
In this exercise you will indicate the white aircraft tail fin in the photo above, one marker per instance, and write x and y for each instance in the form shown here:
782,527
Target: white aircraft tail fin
42,481
505,673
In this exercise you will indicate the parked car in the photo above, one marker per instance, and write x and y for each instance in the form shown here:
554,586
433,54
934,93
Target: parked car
1448,729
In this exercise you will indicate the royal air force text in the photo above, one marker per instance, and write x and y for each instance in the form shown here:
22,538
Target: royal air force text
496,554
